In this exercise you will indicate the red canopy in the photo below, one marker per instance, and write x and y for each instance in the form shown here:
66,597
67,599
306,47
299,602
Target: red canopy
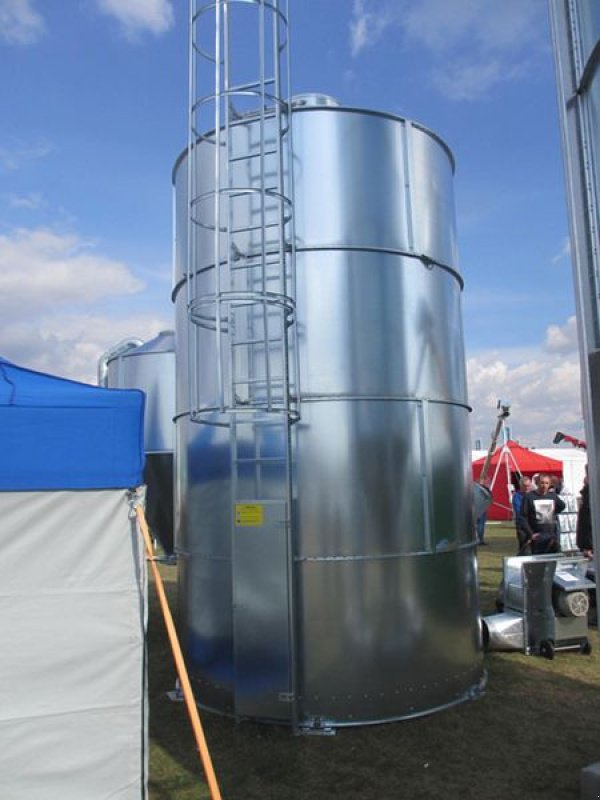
508,463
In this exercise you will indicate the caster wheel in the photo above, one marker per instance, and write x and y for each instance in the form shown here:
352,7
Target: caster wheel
585,647
485,636
547,648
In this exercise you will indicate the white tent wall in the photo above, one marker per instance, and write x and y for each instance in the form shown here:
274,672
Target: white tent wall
573,462
73,612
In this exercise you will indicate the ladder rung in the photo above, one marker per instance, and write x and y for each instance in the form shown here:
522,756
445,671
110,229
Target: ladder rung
263,422
248,191
253,155
252,85
257,265
249,228
258,304
250,342
260,459
237,191
269,114
259,382
256,260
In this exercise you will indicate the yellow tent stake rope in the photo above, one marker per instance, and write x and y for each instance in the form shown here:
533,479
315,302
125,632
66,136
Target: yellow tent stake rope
184,680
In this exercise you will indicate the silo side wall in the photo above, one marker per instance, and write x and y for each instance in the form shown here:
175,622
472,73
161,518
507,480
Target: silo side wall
385,581
151,368
576,39
388,620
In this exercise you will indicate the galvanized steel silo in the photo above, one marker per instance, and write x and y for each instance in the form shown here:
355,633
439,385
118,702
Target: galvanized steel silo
378,617
150,366
576,39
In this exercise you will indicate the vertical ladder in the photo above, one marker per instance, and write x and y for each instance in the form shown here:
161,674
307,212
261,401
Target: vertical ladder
241,260
241,284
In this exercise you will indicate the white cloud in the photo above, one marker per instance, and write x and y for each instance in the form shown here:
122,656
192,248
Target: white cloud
366,26
443,26
562,338
564,252
542,386
71,345
472,45
140,16
17,154
29,201
470,80
40,267
52,286
20,23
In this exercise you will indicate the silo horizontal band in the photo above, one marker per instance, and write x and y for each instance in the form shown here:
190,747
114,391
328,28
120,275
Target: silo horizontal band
334,558
388,556
326,398
427,261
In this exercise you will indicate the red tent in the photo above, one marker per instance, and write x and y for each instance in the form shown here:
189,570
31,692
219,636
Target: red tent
508,463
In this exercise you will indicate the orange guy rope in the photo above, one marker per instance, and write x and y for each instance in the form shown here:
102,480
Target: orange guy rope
180,664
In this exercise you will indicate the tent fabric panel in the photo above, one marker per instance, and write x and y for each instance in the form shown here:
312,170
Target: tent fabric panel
78,448
87,643
516,458
528,460
59,434
73,611
77,763
20,386
78,549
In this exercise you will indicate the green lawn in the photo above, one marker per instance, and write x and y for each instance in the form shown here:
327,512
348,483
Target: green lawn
528,737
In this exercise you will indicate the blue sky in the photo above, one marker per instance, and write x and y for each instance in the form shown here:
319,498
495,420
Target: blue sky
93,99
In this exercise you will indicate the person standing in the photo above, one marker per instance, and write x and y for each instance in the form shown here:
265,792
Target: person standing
538,517
585,541
525,486
482,491
480,528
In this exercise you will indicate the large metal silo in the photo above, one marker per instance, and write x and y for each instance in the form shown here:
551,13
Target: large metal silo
359,603
150,366
576,39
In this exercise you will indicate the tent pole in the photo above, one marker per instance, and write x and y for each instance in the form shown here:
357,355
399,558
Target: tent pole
184,680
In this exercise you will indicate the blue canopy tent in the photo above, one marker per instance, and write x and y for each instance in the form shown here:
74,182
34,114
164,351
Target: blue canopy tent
73,605
59,434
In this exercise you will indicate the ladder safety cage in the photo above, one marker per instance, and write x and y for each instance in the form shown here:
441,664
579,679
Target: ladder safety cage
241,251
240,300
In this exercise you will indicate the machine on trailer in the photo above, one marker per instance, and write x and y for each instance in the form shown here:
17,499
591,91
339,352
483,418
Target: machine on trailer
546,600
564,437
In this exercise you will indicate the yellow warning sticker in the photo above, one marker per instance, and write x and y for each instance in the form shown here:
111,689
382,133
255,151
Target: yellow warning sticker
249,514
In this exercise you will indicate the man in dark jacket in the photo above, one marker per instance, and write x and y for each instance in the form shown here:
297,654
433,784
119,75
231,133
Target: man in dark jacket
584,522
538,517
523,536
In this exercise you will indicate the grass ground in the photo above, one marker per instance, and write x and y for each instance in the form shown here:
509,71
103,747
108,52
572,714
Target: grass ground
528,737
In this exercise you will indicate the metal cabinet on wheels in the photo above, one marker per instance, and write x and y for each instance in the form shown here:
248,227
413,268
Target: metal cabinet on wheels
546,600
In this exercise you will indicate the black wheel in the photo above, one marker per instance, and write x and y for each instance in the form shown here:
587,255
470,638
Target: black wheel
547,648
485,635
585,648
